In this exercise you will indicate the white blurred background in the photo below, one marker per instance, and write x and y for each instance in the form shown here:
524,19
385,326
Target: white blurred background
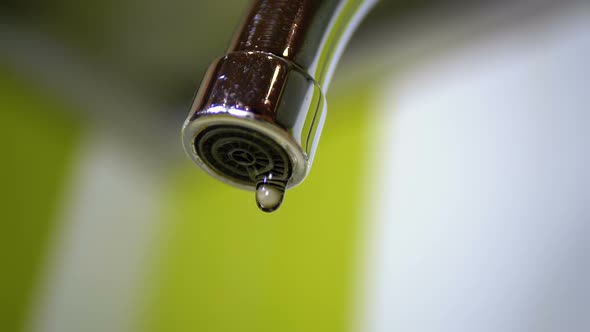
482,206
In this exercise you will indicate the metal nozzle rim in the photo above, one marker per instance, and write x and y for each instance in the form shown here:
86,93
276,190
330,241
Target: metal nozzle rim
221,115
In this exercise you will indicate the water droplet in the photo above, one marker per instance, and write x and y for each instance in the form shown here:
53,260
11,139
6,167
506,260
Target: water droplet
269,196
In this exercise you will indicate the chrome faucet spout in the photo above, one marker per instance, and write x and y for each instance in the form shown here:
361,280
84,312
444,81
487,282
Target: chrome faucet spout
258,116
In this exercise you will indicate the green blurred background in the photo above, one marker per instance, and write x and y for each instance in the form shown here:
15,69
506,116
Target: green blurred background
216,263
83,84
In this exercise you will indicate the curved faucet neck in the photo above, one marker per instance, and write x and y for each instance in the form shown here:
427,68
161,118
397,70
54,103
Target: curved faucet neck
309,33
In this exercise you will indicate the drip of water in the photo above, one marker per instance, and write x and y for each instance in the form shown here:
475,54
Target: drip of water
269,195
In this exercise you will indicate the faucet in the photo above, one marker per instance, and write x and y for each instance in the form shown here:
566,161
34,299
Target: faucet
256,120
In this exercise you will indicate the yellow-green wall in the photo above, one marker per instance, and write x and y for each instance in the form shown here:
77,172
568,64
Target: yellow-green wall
38,140
225,266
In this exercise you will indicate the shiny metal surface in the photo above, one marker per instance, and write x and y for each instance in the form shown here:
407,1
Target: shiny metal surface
272,83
